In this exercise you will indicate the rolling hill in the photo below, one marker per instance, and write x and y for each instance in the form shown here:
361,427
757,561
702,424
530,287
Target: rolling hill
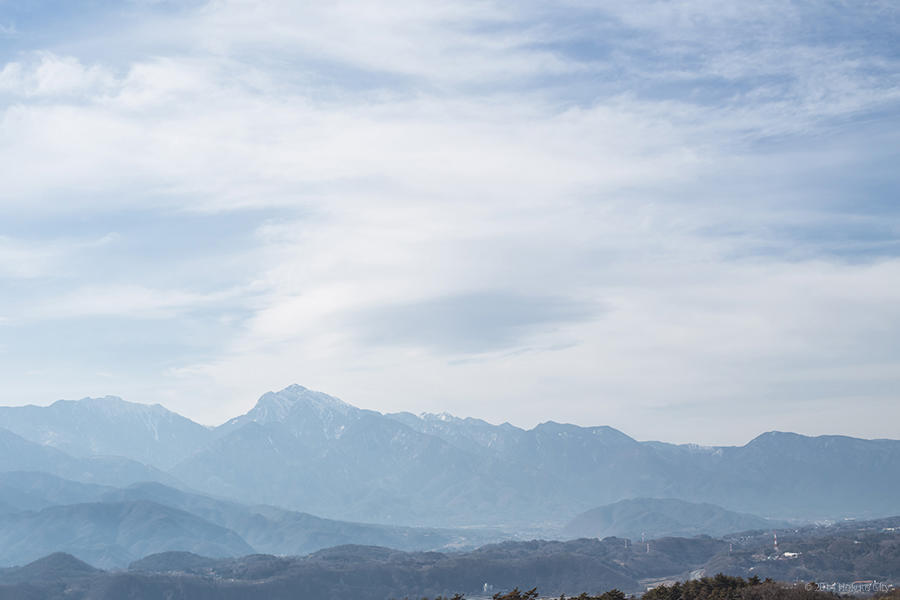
653,518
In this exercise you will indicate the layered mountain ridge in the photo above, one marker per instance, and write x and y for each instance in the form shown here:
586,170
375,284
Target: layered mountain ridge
110,527
308,451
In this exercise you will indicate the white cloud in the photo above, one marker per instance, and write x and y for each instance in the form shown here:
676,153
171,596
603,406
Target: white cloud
443,44
411,153
54,76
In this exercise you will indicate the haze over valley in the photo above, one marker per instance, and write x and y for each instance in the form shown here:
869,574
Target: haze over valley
111,482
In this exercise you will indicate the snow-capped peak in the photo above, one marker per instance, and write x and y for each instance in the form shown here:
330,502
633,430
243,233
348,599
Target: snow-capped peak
442,416
280,406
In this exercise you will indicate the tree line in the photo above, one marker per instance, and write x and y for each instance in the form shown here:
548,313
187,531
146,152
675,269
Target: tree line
720,587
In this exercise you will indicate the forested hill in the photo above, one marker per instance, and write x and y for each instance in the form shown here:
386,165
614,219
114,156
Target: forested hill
843,553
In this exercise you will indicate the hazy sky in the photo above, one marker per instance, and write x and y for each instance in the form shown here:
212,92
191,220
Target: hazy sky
680,219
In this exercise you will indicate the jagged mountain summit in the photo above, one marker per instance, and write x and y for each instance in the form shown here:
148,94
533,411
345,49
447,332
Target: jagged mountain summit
299,411
308,451
305,449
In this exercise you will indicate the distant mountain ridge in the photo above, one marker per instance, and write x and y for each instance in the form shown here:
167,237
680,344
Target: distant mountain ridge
308,451
150,434
112,534
20,454
108,526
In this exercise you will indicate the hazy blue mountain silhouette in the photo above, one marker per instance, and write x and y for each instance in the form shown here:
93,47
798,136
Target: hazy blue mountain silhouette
112,534
29,490
19,454
353,464
58,566
265,528
278,531
653,518
109,426
307,451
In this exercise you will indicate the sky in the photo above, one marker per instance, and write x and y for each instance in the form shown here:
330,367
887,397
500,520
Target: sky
677,218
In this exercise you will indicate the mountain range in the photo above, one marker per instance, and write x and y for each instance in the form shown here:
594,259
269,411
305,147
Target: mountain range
307,451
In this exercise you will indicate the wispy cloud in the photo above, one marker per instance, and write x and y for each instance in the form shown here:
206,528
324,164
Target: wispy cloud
49,75
128,301
30,259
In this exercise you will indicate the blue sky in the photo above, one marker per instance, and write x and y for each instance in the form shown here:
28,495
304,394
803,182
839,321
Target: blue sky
680,219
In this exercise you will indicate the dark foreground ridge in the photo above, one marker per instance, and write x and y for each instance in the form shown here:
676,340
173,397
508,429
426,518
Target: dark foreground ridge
836,554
